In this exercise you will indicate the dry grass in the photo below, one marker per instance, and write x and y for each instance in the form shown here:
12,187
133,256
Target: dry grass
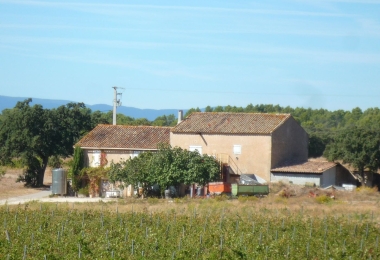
10,188
279,206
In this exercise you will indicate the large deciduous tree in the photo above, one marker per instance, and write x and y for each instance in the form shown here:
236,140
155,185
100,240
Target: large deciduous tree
33,134
359,147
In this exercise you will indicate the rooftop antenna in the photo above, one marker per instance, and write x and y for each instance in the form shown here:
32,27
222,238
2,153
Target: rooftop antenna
116,103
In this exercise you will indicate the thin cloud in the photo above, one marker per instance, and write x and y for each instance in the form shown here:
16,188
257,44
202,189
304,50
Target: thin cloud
271,51
371,30
118,8
153,67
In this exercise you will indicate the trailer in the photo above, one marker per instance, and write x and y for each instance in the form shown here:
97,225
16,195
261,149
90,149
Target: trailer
218,188
249,190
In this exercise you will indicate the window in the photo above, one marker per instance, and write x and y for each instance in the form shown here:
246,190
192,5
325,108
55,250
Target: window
237,149
135,154
95,162
193,148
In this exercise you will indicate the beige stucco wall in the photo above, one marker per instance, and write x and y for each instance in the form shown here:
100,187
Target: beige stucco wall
289,144
111,155
255,150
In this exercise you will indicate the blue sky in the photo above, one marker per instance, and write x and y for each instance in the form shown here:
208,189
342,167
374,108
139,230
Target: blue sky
183,54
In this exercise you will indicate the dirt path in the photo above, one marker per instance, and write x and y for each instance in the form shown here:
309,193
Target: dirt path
12,192
9,188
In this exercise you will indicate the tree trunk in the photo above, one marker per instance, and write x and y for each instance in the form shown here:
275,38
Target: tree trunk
361,174
41,172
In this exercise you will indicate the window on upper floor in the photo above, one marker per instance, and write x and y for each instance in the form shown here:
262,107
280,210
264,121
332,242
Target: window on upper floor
237,149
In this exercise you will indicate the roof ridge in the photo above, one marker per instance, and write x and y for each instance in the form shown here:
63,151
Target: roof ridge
282,122
247,113
231,123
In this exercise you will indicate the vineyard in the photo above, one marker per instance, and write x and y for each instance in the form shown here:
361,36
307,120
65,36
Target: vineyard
216,230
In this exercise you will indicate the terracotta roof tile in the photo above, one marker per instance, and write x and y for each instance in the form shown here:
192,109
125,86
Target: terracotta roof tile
306,167
127,137
230,123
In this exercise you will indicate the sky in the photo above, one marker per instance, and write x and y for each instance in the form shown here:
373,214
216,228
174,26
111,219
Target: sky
184,54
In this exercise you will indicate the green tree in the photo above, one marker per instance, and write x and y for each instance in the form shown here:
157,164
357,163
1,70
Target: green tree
98,117
191,110
135,171
124,120
77,166
208,109
166,167
172,166
218,109
317,144
35,134
164,120
201,169
359,147
141,121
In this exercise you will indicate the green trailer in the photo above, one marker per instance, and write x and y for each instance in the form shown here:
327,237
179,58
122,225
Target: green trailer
250,190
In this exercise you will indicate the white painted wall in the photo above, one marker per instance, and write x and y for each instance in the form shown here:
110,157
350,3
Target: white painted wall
299,178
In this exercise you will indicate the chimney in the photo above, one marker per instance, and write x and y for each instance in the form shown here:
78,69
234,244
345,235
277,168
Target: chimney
180,116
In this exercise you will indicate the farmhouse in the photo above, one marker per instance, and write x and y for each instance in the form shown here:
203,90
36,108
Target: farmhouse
269,147
107,143
245,143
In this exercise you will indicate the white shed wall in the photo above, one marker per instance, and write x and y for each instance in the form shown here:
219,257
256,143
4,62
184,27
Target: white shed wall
299,179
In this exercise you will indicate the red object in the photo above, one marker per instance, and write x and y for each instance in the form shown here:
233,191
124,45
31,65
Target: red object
219,187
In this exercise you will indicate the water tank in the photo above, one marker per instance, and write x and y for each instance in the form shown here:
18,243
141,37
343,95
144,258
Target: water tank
168,194
59,185
199,191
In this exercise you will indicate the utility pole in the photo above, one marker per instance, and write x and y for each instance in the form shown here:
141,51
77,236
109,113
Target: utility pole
116,103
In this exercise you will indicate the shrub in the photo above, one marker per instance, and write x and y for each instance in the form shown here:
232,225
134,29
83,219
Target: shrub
286,193
94,176
281,200
222,197
243,199
276,187
84,191
153,200
323,199
367,190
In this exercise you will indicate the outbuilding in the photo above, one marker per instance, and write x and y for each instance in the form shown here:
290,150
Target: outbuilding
318,173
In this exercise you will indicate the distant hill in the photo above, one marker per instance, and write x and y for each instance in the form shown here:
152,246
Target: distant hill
150,114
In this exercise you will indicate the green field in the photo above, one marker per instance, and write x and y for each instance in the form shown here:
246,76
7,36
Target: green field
215,230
